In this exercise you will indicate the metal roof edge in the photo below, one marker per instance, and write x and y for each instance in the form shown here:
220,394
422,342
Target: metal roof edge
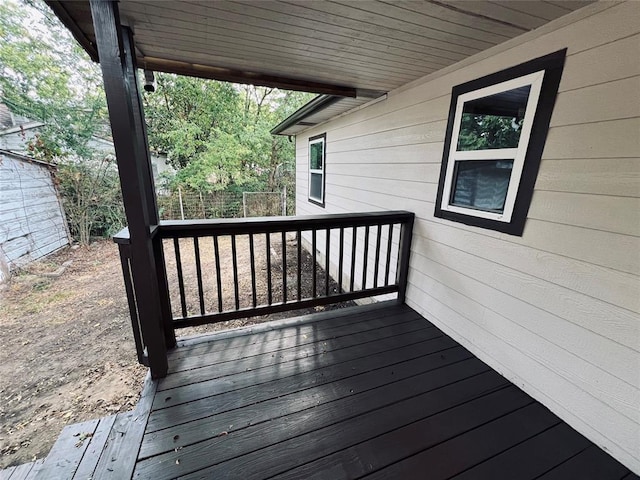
315,105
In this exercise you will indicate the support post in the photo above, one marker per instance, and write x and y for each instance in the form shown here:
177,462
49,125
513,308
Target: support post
117,60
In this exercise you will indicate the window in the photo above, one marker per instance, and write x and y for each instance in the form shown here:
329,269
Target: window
317,157
494,141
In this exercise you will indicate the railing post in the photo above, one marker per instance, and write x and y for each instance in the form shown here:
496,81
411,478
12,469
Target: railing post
402,274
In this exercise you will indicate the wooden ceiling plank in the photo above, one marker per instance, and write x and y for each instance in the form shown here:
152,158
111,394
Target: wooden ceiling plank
363,19
496,11
426,20
319,22
324,75
535,8
276,64
297,33
369,62
458,17
571,5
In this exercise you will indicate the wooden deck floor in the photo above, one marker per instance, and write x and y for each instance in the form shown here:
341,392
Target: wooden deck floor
375,392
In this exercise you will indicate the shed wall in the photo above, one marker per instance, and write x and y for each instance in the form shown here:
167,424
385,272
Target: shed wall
557,310
32,222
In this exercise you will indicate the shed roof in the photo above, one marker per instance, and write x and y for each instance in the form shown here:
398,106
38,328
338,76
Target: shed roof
344,48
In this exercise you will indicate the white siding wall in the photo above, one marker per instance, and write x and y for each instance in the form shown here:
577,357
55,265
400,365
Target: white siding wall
32,222
557,310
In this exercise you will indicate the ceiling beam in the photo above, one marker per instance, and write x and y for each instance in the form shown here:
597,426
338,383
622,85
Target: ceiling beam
241,76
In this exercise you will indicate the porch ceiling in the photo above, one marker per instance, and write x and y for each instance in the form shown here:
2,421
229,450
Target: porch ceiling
347,48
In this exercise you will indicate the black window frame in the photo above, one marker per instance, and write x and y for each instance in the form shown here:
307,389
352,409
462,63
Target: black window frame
553,65
314,139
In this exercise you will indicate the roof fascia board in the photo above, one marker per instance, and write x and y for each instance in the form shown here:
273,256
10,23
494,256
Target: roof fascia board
68,21
315,105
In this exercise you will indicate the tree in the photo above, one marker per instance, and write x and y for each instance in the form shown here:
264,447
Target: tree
45,75
217,134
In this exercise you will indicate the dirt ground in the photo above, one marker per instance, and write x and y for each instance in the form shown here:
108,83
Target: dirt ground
66,348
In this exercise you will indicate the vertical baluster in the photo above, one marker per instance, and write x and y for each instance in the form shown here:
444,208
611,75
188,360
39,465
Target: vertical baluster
327,257
299,272
340,259
284,267
234,259
269,289
353,258
183,301
377,265
253,271
365,257
196,250
315,269
389,245
216,251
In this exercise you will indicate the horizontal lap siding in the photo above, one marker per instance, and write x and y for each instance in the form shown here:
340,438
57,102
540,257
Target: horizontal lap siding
32,223
556,310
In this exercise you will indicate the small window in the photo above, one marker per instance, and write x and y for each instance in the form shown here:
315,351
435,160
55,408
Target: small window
317,157
495,137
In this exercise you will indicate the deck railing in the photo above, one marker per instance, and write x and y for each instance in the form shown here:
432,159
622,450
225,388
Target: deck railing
216,270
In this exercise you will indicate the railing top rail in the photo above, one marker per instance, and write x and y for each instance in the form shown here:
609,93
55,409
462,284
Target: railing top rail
122,237
240,226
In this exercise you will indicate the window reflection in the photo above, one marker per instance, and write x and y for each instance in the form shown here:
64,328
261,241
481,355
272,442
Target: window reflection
494,121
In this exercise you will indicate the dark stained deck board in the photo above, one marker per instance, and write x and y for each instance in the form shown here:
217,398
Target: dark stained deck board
341,347
372,392
262,355
379,400
590,464
306,365
379,353
278,458
387,449
321,322
305,374
463,380
287,339
531,458
287,391
281,405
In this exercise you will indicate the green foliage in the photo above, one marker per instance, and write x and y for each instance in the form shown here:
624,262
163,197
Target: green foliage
217,134
44,75
91,197
481,132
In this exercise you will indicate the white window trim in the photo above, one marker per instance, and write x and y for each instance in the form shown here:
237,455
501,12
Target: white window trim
317,171
516,154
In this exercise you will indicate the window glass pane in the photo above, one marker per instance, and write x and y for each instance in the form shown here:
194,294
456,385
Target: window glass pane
494,121
315,155
481,184
315,187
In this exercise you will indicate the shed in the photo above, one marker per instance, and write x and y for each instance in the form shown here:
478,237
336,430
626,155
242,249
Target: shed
32,219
